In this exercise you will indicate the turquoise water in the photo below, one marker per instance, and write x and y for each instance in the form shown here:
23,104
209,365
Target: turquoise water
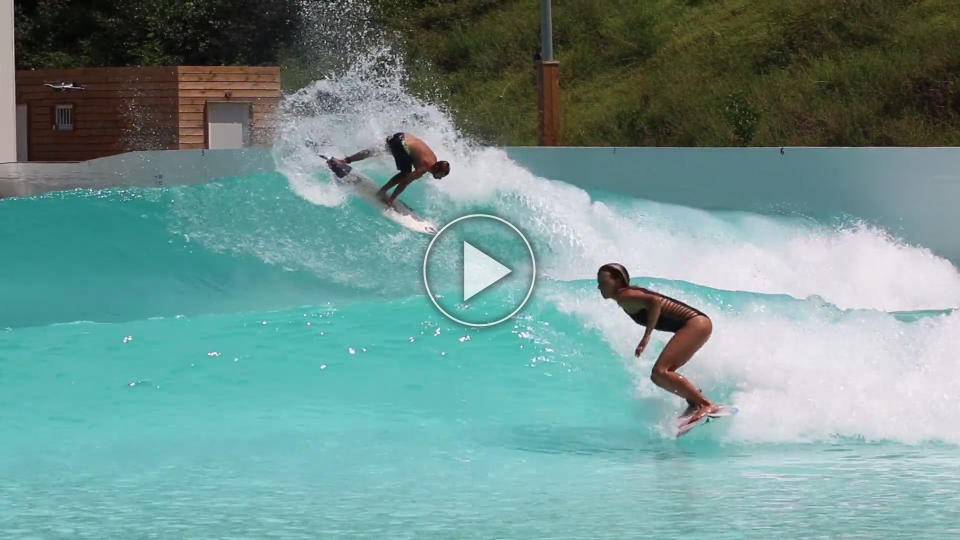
256,357
237,359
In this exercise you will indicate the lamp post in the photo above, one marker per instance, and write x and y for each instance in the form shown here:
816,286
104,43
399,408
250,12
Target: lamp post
548,82
546,30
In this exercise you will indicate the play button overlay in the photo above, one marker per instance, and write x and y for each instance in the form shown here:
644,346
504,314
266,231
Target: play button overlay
479,270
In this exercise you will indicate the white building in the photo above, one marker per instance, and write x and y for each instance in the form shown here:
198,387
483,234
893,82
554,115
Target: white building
8,109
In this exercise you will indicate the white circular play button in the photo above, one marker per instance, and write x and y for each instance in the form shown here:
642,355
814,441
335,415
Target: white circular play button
479,270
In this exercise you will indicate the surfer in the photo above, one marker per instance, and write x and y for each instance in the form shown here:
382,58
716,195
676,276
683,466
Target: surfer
413,159
690,327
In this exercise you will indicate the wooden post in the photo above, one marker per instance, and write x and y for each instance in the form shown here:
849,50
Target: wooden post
548,103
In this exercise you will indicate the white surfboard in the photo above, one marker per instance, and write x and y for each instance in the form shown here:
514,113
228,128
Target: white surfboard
684,427
367,190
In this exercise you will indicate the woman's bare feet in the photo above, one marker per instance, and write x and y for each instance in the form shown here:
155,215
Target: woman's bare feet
701,411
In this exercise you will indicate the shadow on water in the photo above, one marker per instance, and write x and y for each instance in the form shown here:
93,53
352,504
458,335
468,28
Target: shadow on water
613,442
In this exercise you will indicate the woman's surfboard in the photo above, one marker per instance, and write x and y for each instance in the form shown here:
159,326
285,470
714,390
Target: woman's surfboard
684,427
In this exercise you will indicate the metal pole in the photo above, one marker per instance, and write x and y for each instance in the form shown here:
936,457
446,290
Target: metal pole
546,30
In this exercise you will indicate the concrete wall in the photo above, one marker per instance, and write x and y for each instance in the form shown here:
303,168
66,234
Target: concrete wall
144,169
8,111
911,192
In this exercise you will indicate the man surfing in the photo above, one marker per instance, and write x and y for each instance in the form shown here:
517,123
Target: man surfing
413,159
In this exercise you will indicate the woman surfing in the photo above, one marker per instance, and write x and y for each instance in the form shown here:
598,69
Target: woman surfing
690,327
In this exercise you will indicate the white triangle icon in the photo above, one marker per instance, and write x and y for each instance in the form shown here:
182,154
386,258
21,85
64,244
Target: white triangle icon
479,271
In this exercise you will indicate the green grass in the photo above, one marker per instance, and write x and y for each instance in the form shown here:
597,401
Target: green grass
696,72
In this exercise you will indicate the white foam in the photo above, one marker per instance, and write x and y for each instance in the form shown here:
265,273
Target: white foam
796,377
851,266
366,100
812,374
866,374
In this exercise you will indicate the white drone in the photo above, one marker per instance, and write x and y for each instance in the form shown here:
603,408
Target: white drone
64,86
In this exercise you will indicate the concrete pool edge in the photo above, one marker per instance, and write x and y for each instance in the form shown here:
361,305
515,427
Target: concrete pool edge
911,192
142,169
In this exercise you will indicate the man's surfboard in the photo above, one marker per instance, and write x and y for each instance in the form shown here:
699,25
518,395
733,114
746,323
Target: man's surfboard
367,190
684,427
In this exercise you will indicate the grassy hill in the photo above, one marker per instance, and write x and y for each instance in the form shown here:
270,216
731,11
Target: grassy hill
696,72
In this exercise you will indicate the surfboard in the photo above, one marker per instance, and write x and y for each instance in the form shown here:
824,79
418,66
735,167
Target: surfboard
367,189
684,427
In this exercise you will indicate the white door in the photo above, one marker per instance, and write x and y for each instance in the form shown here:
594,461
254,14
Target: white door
22,133
228,125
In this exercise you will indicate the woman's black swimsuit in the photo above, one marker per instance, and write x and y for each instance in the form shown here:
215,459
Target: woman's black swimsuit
673,313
